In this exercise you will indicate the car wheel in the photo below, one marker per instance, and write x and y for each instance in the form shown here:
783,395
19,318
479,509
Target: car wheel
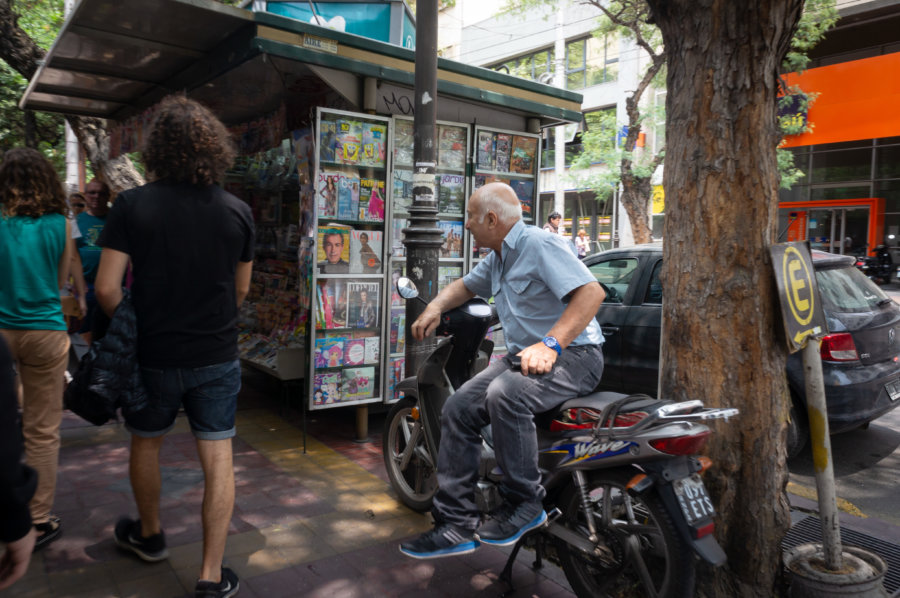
798,431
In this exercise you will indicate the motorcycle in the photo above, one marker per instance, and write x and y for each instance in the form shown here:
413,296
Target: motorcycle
627,508
879,267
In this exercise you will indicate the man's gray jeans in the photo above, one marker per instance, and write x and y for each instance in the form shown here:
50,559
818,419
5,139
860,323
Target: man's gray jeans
503,397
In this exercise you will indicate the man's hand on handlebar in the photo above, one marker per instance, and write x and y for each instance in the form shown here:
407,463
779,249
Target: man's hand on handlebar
537,359
427,322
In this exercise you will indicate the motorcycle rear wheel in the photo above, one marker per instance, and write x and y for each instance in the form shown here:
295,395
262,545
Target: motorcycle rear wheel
663,559
416,482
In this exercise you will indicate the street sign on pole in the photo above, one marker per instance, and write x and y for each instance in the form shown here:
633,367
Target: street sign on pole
804,324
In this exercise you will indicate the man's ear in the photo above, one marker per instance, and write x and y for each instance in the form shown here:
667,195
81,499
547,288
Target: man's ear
492,219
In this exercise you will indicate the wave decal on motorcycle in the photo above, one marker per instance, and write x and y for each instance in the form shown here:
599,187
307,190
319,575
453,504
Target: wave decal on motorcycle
588,451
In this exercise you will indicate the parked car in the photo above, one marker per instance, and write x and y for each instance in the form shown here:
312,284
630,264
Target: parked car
860,354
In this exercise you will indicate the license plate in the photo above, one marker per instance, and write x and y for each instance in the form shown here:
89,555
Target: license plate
693,499
893,389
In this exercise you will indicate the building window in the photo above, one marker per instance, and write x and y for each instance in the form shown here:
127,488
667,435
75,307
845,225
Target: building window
589,61
592,61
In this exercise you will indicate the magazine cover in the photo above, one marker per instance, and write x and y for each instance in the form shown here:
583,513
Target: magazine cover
333,253
349,135
485,150
525,192
327,388
374,144
327,188
371,200
373,349
451,147
362,304
398,249
327,141
396,372
503,152
397,342
403,190
348,198
329,351
365,251
524,150
355,351
358,383
331,304
403,142
451,194
451,245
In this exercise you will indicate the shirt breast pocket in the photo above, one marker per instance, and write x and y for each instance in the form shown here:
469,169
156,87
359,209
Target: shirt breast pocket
524,291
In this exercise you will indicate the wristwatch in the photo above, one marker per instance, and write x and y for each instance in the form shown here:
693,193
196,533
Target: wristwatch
551,342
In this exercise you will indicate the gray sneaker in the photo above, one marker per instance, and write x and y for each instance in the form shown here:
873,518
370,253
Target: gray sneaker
509,525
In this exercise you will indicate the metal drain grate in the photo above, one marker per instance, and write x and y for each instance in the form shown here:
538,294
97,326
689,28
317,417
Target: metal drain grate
809,529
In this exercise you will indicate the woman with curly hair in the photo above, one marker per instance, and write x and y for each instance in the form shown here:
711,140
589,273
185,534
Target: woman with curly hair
35,254
191,248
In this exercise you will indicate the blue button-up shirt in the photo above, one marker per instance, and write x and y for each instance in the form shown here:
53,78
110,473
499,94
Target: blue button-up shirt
529,284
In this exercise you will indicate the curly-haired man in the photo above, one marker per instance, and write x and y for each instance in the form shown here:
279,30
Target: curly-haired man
191,248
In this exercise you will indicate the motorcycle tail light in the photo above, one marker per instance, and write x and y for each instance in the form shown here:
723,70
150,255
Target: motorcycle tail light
585,418
705,463
838,347
681,445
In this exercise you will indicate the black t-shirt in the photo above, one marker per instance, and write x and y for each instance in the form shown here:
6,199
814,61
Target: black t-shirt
184,242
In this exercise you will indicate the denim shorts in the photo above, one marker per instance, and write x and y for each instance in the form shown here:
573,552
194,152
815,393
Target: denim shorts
208,394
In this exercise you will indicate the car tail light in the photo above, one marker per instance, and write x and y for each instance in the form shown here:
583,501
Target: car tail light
838,347
681,445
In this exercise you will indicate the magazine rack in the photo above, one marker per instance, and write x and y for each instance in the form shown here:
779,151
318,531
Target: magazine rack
346,326
451,190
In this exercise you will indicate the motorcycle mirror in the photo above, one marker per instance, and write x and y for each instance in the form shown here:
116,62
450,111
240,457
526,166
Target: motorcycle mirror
407,288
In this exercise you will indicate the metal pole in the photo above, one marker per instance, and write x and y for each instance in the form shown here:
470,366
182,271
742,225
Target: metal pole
821,450
559,49
423,237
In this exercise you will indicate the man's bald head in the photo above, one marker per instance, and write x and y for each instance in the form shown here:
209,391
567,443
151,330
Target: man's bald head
500,199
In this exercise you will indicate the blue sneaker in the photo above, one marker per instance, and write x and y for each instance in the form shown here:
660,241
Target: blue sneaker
445,539
511,524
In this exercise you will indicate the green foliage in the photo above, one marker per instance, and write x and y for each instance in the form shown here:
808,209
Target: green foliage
818,17
40,19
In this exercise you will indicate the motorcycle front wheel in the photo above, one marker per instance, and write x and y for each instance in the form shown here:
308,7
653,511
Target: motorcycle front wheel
638,550
409,464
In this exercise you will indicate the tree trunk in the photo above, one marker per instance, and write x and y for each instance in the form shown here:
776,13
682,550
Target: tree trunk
636,201
720,315
23,55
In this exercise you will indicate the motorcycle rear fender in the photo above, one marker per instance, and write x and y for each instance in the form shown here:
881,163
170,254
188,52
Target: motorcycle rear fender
706,547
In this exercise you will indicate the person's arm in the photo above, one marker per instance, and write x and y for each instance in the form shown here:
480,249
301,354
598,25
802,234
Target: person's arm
65,260
242,276
583,304
108,283
453,295
78,281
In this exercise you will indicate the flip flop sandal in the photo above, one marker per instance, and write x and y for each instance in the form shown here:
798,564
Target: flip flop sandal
47,532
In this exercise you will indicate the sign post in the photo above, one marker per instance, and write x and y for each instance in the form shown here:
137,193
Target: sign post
804,323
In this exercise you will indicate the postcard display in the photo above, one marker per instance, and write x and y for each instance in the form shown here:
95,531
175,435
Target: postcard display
512,158
451,192
347,333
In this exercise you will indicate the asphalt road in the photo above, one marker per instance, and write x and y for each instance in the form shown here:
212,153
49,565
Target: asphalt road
866,465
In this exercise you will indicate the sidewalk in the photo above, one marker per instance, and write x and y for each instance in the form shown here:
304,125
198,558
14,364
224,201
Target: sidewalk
320,525
324,524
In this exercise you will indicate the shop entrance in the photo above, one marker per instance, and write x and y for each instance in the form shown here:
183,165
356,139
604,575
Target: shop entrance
848,227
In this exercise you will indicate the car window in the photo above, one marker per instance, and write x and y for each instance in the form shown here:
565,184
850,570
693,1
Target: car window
848,290
654,292
616,274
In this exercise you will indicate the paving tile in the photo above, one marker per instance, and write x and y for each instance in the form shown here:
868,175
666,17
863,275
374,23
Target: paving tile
285,583
162,584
